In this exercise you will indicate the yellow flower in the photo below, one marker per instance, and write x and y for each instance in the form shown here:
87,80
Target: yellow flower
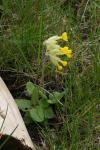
64,63
69,53
54,50
64,36
66,51
52,39
59,67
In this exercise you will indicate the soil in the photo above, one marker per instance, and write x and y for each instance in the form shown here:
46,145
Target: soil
13,144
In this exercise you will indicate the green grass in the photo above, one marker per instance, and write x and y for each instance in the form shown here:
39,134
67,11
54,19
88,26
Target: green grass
24,26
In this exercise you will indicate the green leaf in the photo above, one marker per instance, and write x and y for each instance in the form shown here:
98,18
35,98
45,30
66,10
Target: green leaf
55,97
35,96
37,114
23,104
43,103
33,91
49,113
30,87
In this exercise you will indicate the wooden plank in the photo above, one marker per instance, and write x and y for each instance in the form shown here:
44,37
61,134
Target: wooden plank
13,117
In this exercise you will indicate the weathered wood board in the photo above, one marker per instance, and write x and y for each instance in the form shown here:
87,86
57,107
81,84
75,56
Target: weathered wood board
13,117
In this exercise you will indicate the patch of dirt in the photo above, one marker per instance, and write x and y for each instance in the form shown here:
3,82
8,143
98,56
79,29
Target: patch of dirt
13,144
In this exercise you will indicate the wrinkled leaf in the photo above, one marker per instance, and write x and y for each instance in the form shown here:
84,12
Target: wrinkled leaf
55,97
30,87
49,113
35,96
33,91
23,104
37,114
43,103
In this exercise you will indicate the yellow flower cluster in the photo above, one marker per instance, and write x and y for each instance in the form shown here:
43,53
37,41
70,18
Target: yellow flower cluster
54,50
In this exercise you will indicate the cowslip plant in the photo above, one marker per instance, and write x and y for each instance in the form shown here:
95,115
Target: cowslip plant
55,51
39,107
